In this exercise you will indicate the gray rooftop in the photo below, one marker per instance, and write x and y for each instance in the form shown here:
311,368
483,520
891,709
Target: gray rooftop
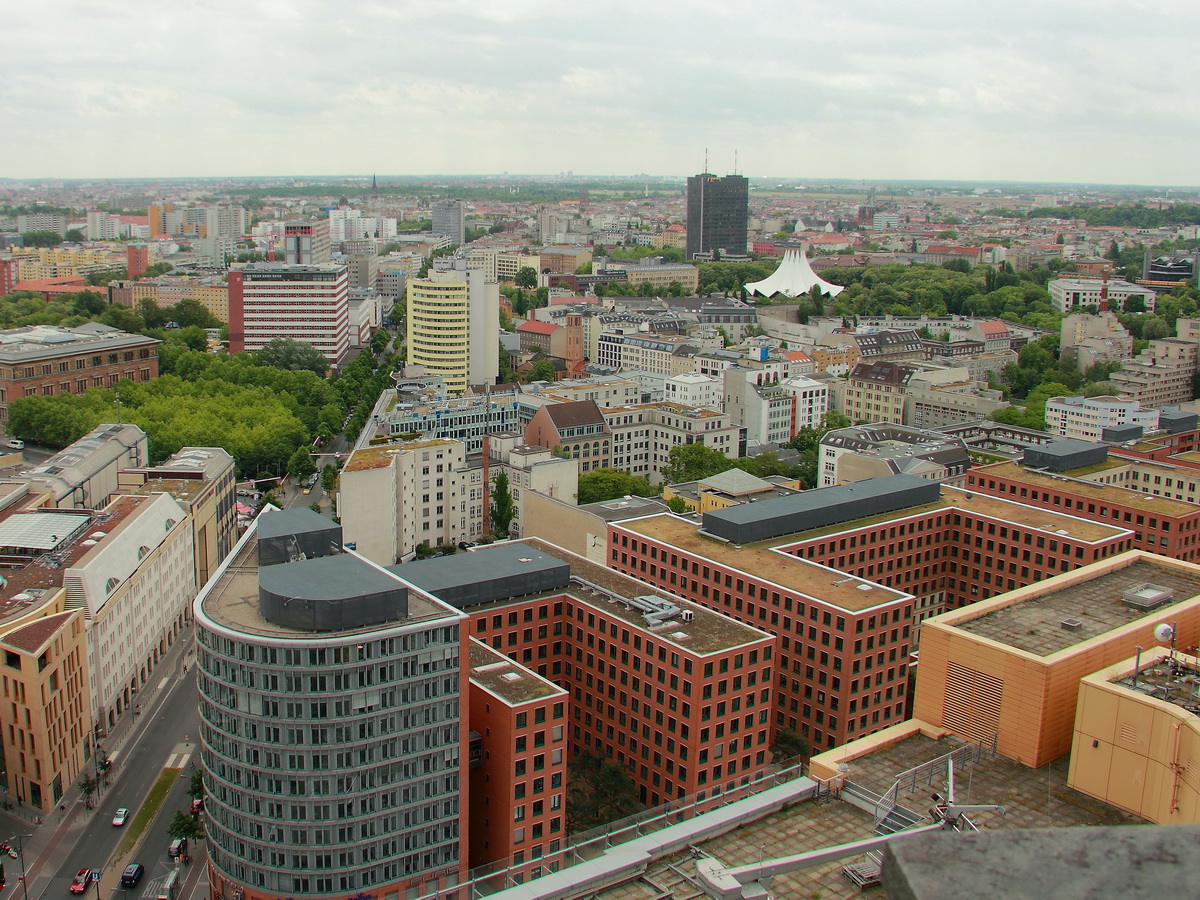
326,578
33,342
486,574
1134,862
1035,625
749,522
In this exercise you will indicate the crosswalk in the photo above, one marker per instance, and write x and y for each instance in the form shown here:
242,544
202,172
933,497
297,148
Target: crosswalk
178,760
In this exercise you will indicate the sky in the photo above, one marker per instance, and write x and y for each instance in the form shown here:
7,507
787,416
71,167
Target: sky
1049,91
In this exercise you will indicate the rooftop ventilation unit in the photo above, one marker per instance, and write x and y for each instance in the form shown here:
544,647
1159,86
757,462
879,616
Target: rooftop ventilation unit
655,609
1071,625
1147,596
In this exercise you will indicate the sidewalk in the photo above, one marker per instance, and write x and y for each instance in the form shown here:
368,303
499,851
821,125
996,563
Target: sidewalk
48,845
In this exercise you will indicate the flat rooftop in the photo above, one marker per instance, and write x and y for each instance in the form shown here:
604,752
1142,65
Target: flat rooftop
1034,625
186,490
762,560
1173,683
965,501
1032,798
232,601
708,632
381,456
508,680
1162,506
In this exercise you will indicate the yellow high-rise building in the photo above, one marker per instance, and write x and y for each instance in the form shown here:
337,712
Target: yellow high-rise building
454,327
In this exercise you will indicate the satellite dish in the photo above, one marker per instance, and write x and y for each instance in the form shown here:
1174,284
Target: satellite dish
1163,632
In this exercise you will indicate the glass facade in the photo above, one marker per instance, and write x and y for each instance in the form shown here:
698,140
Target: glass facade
331,764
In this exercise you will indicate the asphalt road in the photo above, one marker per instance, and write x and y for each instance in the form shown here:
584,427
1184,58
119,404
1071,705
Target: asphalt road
166,741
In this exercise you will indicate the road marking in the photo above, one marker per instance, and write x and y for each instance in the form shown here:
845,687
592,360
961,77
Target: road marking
162,684
177,760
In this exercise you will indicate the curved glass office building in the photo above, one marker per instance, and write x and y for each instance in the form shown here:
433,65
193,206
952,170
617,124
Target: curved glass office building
330,721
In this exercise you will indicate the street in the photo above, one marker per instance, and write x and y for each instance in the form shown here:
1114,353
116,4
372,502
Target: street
165,737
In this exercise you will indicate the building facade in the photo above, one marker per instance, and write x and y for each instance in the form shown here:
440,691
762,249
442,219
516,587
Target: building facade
454,327
309,303
718,213
45,360
331,721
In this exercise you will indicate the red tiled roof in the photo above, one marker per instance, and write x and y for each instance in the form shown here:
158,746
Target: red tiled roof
993,326
535,327
33,637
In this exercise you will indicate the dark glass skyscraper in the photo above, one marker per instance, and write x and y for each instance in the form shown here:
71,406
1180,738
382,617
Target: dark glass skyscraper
717,212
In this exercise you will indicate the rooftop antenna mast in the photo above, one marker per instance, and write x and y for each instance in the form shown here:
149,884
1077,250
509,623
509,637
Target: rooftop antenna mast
735,171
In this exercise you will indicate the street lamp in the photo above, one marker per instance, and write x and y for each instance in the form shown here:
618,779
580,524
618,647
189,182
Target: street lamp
19,838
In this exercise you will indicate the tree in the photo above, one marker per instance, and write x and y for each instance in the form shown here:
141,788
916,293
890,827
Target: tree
678,506
542,370
87,787
502,505
599,791
285,353
41,238
789,744
196,785
691,462
268,498
1154,329
74,235
609,484
526,277
329,476
184,827
301,464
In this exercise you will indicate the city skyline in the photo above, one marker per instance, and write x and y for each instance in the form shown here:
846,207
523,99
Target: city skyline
883,93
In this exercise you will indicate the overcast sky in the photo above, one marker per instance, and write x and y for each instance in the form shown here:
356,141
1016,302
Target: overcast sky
1054,90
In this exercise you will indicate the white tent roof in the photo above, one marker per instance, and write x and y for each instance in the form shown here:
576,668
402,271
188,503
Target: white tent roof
793,277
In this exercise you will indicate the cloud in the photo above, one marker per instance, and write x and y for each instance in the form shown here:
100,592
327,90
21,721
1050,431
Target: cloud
877,89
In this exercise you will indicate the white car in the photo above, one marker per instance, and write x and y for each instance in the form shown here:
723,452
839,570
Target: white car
121,815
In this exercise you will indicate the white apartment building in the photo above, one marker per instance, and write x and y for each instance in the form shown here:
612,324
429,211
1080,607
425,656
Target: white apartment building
1087,417
307,303
643,435
102,226
1067,294
394,497
135,586
693,389
346,224
454,327
810,401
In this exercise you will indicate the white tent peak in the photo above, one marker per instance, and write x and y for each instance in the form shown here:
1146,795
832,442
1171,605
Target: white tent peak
793,278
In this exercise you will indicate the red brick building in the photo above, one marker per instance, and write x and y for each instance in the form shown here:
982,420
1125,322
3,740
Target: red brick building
1159,524
137,259
518,766
44,360
845,599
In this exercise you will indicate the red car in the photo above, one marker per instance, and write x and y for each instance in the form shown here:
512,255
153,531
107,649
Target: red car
82,879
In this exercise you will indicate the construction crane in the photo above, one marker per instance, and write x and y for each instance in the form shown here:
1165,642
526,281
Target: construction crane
751,882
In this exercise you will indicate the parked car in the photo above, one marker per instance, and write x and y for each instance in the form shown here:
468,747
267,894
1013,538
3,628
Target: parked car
178,848
132,875
120,816
197,807
15,444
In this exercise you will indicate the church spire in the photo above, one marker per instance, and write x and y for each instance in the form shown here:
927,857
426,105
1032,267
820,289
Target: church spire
374,186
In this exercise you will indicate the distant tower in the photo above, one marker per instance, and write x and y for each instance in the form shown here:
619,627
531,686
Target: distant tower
718,210
374,187
449,219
